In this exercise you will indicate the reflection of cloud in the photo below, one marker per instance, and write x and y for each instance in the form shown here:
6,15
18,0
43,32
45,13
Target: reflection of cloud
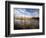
26,12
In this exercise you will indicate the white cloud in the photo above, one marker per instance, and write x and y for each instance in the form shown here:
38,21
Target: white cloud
23,12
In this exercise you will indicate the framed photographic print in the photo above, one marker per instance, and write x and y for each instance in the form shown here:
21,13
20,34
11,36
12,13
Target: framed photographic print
24,18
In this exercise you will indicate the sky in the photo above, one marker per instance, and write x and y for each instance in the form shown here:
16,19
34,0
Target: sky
26,12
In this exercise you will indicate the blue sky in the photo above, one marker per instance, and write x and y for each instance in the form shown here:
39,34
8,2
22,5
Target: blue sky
26,12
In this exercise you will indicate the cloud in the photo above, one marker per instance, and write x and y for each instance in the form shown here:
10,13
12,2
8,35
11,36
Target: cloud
26,12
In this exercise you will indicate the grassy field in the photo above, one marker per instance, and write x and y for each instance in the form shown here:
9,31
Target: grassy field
32,23
23,18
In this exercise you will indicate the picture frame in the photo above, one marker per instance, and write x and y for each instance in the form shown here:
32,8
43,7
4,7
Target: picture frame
24,31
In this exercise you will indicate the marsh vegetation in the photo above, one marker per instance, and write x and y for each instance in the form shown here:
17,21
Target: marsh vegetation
26,23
